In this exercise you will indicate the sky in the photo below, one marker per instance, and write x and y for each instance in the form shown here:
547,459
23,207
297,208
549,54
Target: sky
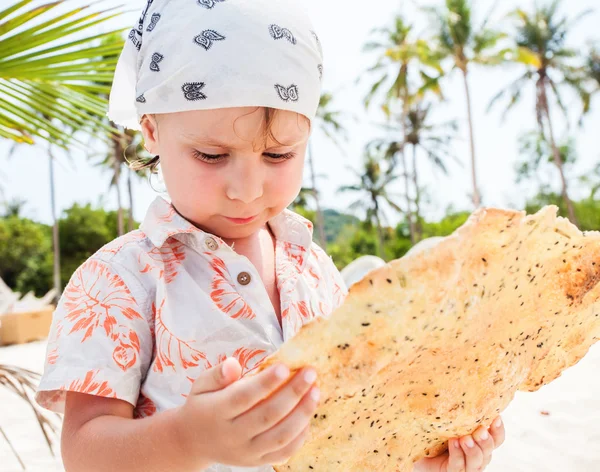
343,31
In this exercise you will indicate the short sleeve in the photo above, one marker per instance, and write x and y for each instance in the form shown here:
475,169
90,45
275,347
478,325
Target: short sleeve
100,342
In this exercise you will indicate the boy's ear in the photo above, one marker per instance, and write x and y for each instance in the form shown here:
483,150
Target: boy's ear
150,132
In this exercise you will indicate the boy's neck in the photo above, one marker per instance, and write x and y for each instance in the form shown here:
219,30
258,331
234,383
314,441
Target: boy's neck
255,239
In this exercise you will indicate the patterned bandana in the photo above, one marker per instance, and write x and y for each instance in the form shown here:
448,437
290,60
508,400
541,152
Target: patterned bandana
207,54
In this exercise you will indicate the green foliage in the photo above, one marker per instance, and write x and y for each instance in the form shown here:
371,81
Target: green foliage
536,156
540,48
458,38
26,254
335,223
23,244
360,239
38,273
83,230
51,78
587,210
446,225
353,242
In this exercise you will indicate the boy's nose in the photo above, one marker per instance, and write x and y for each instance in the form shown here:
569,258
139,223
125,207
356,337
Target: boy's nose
245,184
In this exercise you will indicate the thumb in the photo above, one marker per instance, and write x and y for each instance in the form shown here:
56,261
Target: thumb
218,377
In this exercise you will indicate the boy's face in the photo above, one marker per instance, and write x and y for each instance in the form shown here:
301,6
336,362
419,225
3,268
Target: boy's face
220,173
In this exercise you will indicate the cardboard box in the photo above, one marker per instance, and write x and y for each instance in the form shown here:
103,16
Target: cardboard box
19,328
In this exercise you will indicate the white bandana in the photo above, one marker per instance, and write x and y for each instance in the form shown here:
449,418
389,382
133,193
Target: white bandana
207,54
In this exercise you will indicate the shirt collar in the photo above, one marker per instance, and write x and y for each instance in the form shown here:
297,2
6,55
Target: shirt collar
163,222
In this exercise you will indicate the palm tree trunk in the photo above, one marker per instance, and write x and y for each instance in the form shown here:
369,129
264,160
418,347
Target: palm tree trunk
55,234
417,196
380,249
313,181
118,150
409,216
130,226
557,158
476,194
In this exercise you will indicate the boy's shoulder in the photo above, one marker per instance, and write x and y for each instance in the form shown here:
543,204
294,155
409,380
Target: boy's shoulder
122,247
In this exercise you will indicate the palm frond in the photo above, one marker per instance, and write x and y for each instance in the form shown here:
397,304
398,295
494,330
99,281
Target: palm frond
558,98
53,80
515,90
24,383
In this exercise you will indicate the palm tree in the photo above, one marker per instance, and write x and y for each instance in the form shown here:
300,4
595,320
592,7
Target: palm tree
372,185
400,59
592,69
392,151
459,39
434,140
51,79
124,148
328,121
51,76
537,155
134,150
397,52
541,49
13,207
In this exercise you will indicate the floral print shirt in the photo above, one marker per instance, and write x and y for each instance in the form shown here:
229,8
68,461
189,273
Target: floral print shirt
148,312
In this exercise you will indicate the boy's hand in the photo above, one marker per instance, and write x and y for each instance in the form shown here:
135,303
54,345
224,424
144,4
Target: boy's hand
470,453
231,421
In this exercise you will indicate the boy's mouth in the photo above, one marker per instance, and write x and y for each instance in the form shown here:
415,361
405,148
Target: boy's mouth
241,221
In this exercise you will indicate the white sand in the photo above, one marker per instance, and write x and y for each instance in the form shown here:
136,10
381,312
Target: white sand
566,440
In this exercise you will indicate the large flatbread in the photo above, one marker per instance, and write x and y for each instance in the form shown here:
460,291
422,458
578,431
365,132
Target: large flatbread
434,345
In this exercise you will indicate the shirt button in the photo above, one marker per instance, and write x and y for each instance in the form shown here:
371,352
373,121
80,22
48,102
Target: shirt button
244,278
211,244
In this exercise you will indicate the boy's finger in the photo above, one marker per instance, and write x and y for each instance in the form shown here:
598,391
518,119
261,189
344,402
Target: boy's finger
218,377
473,454
288,428
497,432
277,407
485,442
281,457
249,391
456,459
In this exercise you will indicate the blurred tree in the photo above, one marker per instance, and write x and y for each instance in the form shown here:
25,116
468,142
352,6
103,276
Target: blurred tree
53,74
400,60
372,185
435,141
84,230
329,122
459,39
21,240
537,160
541,49
587,210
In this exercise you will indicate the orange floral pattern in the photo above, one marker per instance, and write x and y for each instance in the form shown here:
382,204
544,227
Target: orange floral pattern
97,299
169,346
165,260
115,246
91,386
130,326
295,253
225,295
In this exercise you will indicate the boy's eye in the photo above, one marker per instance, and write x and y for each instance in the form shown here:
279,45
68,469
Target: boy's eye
280,157
211,158
214,158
